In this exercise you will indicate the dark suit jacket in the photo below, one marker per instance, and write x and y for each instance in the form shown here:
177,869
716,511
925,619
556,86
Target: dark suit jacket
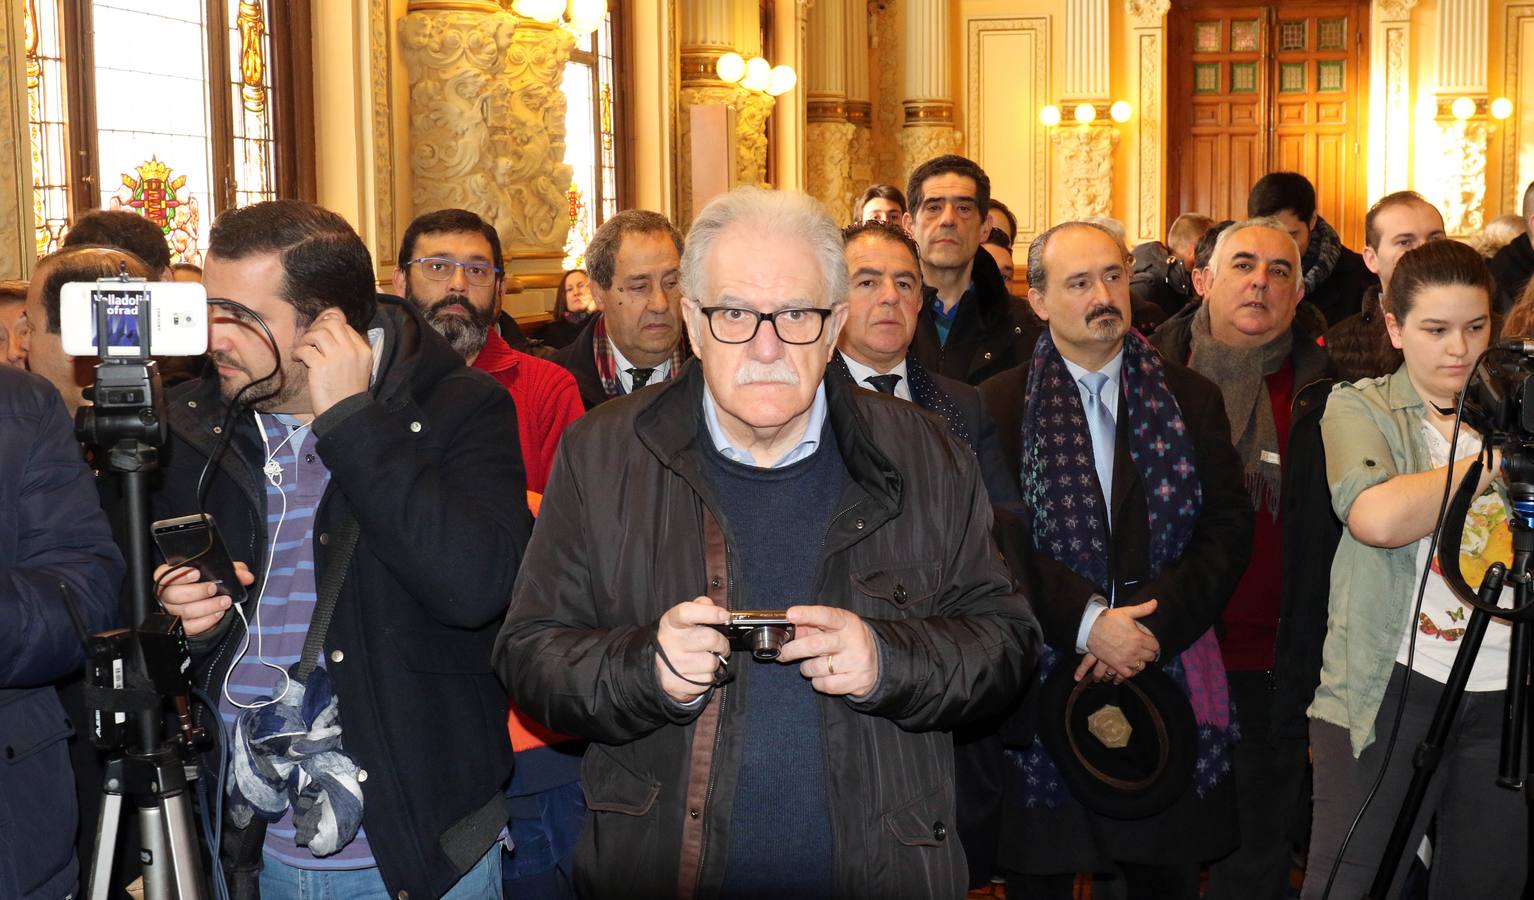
580,360
992,332
1001,485
1193,590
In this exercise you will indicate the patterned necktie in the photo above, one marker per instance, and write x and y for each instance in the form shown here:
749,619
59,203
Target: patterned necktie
1104,431
641,377
884,384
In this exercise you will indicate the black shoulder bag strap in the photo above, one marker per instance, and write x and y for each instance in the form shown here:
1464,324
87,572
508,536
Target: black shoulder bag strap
325,605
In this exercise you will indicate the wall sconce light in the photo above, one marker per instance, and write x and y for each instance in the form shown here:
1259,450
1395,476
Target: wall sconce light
756,74
1501,108
1085,113
586,16
1050,116
1120,111
1463,108
540,10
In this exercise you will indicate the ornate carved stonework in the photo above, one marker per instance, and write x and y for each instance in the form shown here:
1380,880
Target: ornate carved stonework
1084,159
1394,9
1461,190
488,121
919,143
1398,130
15,160
828,166
888,112
1151,181
380,70
1517,52
1149,13
860,156
751,111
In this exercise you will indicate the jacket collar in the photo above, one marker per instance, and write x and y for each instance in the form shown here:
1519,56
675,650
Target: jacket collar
1400,393
496,356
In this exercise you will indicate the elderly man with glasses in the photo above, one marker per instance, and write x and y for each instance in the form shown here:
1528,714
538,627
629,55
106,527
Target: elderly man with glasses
752,484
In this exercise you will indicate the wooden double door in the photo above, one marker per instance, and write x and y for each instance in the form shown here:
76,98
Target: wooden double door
1257,89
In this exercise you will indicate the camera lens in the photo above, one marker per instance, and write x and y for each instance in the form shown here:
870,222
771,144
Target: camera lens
767,640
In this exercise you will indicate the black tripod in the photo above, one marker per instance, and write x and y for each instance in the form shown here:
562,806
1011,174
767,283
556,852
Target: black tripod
1512,765
135,672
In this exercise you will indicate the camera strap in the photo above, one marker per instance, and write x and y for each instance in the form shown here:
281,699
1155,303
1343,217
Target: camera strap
326,593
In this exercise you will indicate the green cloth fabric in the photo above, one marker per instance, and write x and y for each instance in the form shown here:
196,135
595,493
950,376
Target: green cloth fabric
1372,430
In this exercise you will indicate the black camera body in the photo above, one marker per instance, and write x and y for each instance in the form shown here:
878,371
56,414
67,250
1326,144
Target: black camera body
762,631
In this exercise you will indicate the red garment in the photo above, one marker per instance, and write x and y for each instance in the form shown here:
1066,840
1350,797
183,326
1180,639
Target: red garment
546,397
1251,617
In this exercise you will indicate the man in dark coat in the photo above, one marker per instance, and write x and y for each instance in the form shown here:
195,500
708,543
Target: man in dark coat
1163,272
1335,277
752,482
634,262
379,472
53,533
1514,264
1123,575
970,327
1246,339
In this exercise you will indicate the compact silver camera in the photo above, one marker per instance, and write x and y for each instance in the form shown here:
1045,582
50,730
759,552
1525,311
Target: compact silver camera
762,631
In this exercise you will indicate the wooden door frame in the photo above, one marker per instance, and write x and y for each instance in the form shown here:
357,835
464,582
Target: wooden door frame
1178,86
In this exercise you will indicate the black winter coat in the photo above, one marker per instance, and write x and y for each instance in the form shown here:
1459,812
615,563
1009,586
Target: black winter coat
628,529
428,463
992,332
1511,268
1338,296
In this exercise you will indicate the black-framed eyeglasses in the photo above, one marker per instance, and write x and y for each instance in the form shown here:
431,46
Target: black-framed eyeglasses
439,268
738,325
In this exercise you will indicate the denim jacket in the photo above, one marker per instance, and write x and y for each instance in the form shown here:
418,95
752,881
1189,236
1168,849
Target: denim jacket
1372,430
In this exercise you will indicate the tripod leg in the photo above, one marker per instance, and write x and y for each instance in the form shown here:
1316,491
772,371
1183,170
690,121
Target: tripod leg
181,840
1510,763
107,825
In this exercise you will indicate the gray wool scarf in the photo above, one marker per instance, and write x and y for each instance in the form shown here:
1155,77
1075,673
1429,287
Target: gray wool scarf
1241,375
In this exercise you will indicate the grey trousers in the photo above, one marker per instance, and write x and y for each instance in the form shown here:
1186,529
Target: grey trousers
1482,843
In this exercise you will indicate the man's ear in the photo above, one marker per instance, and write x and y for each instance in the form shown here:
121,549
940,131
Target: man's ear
1036,300
398,281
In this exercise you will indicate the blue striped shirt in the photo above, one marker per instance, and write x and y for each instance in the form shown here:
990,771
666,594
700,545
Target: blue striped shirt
280,623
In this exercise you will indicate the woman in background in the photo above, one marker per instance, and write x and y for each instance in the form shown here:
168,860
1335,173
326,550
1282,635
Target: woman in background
573,307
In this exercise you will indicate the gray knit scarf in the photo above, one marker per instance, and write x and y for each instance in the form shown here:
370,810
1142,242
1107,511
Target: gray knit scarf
1321,255
1242,378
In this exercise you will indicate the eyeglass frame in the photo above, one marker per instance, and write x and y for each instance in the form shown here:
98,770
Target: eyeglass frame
462,266
708,316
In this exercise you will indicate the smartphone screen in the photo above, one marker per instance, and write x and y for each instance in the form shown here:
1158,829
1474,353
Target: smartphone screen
194,541
122,315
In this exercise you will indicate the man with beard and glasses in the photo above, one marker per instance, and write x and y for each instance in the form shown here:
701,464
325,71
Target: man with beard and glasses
1133,530
635,266
362,490
450,269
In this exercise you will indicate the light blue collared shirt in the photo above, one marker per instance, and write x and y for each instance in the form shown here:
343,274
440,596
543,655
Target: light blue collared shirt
1115,367
806,446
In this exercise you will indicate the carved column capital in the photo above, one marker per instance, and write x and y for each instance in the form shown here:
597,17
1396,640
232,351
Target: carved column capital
828,164
487,121
1461,192
1149,13
1085,159
1394,9
919,143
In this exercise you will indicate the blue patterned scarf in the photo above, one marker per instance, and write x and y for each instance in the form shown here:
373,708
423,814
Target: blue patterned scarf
1069,522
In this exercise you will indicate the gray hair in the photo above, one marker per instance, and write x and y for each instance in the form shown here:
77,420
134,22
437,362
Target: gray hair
1257,222
602,252
765,214
1036,276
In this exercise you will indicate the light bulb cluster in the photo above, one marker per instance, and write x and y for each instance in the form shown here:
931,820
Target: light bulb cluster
1085,113
585,16
756,74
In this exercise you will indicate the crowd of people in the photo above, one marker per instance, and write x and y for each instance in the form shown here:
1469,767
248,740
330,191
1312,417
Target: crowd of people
1090,562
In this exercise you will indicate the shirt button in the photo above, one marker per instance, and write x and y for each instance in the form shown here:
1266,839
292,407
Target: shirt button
900,594
859,524
939,831
713,582
325,539
986,355
1369,462
308,457
218,429
337,656
192,404
415,427
362,775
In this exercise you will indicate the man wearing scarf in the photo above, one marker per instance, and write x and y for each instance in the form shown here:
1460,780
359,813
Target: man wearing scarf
1274,380
1335,277
1134,529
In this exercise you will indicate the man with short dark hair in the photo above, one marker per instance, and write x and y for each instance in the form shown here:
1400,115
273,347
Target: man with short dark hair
880,203
1514,264
752,482
970,326
1134,528
126,230
364,473
1335,277
1162,271
634,265
15,330
1274,380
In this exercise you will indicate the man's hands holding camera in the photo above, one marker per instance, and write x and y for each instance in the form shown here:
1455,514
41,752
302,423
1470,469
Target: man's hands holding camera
185,594
835,649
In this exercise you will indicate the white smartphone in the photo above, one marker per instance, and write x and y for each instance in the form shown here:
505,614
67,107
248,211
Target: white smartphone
177,313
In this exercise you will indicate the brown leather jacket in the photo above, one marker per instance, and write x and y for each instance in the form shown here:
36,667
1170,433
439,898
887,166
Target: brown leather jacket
627,530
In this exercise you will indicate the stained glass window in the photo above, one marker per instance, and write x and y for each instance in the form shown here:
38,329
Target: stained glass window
1206,37
46,120
590,139
250,53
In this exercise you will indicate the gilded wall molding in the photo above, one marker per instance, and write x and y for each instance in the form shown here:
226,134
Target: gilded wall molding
1514,54
828,166
1150,13
1148,128
488,122
1394,9
1461,190
1033,217
15,152
1085,169
380,73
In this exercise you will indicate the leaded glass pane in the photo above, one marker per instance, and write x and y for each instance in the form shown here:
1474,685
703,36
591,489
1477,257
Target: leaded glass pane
1291,35
1291,78
1206,37
46,123
1244,36
250,54
1331,34
1329,75
1206,78
1243,78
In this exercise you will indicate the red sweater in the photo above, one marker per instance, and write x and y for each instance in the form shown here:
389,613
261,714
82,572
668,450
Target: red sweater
547,401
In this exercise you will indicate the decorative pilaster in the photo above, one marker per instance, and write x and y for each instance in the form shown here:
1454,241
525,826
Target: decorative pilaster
888,113
828,134
1084,156
928,102
859,109
488,120
1390,132
1459,188
17,246
1149,20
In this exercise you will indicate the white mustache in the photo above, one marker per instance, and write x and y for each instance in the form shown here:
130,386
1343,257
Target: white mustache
753,372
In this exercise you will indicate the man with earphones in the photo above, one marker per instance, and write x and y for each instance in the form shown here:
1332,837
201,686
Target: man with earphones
357,476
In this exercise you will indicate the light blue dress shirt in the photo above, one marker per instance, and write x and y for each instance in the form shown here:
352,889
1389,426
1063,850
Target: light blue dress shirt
806,446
